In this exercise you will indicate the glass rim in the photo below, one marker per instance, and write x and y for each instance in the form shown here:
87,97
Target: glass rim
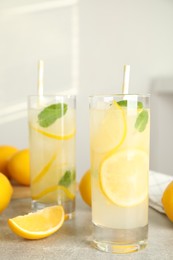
120,95
52,96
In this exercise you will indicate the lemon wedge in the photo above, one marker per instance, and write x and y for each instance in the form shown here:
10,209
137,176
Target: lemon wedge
124,177
39,224
112,129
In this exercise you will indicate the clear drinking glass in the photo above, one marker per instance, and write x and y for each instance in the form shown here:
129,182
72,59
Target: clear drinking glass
52,133
119,149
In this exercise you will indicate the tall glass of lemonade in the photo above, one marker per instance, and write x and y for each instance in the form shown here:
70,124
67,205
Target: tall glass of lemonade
52,131
119,148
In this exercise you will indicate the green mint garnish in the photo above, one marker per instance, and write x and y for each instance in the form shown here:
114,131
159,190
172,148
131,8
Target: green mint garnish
67,178
123,103
142,118
51,113
141,121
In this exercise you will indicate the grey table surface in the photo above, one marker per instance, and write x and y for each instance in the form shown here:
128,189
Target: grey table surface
72,241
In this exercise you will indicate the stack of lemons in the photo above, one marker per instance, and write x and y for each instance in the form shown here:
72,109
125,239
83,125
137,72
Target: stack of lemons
14,166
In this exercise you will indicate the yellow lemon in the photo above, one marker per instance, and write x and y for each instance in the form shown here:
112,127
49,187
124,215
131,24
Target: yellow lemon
167,200
6,191
110,131
6,152
39,224
18,167
124,177
85,187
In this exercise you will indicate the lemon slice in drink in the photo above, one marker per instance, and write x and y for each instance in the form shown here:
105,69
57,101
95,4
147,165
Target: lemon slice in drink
62,129
44,171
51,194
124,177
112,130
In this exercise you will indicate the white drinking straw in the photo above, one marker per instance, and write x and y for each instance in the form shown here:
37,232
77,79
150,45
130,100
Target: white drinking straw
126,77
40,77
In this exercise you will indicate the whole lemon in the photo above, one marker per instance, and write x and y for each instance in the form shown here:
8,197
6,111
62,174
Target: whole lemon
6,192
85,187
18,167
167,200
6,152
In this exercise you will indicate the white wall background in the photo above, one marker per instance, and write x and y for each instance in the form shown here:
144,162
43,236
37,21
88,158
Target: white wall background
111,33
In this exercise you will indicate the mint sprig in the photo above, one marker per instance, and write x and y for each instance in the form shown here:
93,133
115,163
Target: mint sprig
67,178
123,103
142,120
51,113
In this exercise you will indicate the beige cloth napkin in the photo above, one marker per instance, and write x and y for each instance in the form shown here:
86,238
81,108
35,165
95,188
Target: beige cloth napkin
157,184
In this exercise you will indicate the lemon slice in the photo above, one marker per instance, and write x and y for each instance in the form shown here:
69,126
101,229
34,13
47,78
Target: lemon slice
112,130
124,177
62,129
54,191
39,224
45,169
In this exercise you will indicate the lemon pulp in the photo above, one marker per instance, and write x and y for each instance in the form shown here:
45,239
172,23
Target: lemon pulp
124,177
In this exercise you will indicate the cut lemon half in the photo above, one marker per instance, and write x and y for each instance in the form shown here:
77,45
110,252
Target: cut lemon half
111,131
53,192
39,224
124,177
62,129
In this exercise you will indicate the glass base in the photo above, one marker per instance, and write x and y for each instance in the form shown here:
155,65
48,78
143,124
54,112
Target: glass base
69,207
119,241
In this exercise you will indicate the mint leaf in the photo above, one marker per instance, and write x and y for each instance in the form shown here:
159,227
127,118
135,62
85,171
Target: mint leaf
123,103
51,113
67,178
141,121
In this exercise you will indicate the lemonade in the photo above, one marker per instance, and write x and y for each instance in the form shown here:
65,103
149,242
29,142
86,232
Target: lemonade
119,141
52,152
